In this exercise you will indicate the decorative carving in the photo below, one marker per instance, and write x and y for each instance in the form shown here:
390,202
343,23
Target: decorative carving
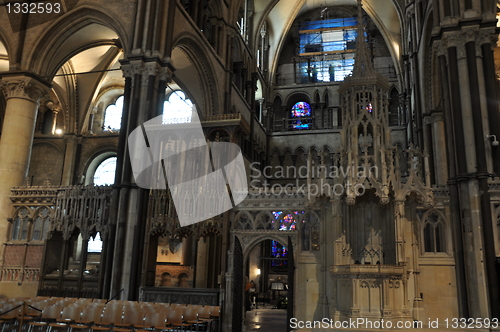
470,35
85,207
487,36
23,87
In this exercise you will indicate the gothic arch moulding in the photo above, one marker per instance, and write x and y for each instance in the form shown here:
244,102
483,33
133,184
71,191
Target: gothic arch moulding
250,239
192,65
93,159
49,54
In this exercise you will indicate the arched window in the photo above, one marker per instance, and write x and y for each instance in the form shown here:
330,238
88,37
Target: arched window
301,116
177,108
20,225
105,173
41,225
434,234
113,115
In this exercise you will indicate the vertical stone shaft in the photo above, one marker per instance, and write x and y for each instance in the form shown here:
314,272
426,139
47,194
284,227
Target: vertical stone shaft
22,92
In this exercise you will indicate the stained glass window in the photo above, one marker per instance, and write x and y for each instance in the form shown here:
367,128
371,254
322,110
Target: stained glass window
105,173
278,251
334,40
113,115
369,108
301,110
288,222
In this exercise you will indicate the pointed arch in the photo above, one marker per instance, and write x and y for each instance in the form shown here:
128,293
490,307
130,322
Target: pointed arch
195,74
77,26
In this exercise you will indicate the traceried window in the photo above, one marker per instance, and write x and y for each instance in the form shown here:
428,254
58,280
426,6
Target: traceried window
287,222
41,225
20,225
434,234
113,115
105,173
328,46
301,116
177,108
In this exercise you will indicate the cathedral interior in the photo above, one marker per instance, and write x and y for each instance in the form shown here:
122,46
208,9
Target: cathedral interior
369,132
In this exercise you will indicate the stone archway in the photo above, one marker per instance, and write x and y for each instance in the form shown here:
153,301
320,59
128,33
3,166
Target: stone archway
245,242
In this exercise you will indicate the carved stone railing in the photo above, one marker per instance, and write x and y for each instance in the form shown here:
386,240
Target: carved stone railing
221,117
76,205
441,191
162,218
203,296
85,207
494,185
367,271
34,196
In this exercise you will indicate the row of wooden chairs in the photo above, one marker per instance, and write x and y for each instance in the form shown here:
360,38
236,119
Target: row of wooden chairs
69,314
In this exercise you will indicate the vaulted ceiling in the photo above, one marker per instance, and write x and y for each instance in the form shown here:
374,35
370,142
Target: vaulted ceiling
279,16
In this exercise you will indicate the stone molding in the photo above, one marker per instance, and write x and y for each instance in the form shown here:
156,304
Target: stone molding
23,87
145,70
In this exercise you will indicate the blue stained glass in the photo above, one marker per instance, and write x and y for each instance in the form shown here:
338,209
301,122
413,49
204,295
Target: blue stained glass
332,23
278,251
289,222
301,109
300,125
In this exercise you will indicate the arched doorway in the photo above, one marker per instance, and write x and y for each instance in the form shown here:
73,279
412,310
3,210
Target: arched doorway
264,274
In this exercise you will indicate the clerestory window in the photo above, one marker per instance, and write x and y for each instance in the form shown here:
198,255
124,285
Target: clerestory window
327,49
113,115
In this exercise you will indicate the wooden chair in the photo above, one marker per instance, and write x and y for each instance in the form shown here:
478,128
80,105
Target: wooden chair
175,320
132,316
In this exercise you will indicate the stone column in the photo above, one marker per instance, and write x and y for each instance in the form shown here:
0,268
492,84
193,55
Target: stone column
70,157
468,140
22,92
439,147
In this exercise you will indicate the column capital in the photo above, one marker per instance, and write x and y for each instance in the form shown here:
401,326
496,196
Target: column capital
163,71
436,117
440,48
24,86
488,36
456,39
132,68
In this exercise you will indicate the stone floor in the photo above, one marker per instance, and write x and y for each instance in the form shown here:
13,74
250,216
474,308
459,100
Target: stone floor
266,320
